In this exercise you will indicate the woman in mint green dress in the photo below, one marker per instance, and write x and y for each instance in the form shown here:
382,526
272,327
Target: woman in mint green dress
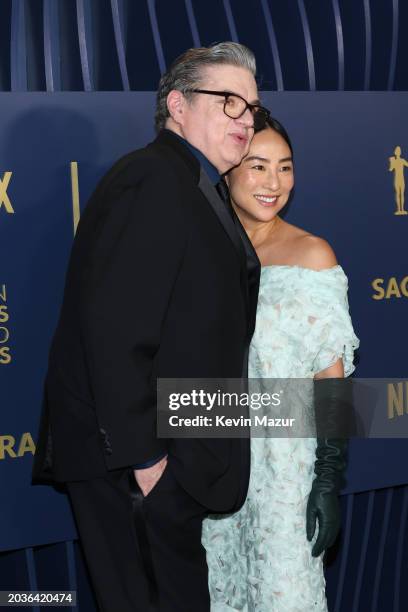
260,559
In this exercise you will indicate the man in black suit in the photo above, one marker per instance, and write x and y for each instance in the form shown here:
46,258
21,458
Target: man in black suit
162,282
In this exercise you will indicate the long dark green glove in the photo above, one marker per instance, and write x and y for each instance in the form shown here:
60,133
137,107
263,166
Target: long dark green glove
332,399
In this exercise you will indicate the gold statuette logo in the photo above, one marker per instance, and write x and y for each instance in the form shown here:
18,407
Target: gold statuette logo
397,166
4,198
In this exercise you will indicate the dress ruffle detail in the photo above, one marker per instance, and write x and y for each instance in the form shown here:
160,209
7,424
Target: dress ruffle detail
259,559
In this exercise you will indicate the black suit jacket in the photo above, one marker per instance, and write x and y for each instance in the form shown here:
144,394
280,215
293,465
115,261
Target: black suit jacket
161,283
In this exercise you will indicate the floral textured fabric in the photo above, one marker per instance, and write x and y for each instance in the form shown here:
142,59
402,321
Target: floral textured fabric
259,559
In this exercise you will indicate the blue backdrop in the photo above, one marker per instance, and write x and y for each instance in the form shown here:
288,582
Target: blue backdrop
344,192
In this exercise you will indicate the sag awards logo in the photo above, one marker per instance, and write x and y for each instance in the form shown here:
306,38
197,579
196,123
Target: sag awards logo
391,288
394,287
5,203
5,356
397,166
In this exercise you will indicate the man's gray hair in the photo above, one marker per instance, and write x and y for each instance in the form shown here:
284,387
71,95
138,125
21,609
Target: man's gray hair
186,72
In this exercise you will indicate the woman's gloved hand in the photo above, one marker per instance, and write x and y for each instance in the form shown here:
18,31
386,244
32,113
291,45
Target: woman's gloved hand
323,503
333,411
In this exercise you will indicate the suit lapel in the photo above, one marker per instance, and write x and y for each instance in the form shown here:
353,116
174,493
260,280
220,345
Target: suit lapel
246,252
253,267
208,189
250,266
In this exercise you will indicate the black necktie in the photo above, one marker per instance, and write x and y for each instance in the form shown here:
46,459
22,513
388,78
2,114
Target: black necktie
224,194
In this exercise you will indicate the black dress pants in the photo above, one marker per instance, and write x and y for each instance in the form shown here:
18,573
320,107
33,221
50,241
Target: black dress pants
144,553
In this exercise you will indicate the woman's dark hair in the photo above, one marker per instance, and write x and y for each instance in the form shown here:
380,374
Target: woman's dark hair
277,127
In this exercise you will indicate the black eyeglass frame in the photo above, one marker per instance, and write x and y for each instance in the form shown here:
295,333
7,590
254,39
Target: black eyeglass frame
258,112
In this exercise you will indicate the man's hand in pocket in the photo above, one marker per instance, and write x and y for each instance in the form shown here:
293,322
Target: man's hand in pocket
149,477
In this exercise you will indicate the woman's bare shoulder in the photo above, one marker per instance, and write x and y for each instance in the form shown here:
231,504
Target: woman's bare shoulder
316,253
311,251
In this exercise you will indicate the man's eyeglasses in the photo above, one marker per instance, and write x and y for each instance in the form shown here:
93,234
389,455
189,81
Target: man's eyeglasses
235,106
